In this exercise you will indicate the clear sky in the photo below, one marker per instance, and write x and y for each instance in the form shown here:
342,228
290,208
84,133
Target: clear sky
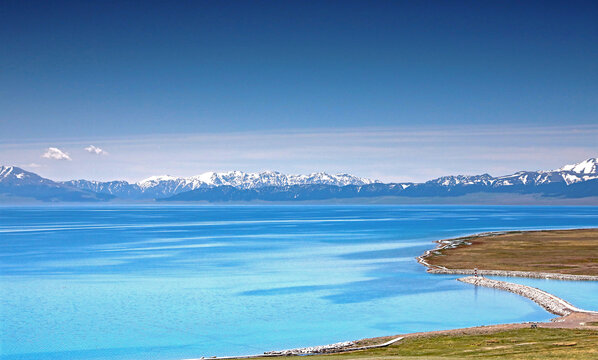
397,90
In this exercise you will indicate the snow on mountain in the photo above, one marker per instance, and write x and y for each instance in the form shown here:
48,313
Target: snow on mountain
454,180
589,166
166,185
570,178
245,180
569,174
529,178
583,171
574,173
12,175
18,183
156,180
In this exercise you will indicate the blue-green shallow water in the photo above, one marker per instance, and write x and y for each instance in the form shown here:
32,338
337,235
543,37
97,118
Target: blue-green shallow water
173,282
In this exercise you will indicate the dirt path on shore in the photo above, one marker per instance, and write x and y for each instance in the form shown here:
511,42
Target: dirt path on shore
574,320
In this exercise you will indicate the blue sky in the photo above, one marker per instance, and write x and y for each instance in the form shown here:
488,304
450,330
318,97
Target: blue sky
188,87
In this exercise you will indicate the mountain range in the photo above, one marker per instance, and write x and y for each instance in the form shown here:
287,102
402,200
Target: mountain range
18,183
158,187
570,181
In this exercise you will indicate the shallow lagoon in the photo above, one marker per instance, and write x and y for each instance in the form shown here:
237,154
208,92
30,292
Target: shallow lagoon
173,282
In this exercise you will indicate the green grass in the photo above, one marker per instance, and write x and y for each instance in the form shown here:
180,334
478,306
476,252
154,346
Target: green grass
512,344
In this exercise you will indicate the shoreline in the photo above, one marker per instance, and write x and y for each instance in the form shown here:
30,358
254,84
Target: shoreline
337,348
569,316
465,240
551,303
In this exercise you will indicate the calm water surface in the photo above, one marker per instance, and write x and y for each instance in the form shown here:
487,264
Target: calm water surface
173,282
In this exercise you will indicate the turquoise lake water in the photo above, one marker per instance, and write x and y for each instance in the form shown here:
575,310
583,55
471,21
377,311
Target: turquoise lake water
175,282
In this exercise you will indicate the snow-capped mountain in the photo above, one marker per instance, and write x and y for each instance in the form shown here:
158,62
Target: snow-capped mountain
245,180
569,174
166,185
18,183
589,166
576,180
484,179
570,181
12,175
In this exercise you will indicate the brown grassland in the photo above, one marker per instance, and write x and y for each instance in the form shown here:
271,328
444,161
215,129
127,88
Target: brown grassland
557,251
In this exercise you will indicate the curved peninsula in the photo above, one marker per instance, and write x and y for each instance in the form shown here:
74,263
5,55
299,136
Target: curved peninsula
552,254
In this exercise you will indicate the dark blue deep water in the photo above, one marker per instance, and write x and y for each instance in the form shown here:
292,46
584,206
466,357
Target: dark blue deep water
174,282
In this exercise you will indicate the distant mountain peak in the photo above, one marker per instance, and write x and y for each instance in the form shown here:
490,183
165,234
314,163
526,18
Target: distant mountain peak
5,171
16,182
240,179
589,166
158,178
16,174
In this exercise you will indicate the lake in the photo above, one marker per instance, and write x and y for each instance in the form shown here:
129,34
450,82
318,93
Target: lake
135,282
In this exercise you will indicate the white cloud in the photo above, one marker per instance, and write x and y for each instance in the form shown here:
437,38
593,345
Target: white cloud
96,150
56,154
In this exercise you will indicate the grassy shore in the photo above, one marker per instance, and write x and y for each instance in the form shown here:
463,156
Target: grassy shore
558,251
512,344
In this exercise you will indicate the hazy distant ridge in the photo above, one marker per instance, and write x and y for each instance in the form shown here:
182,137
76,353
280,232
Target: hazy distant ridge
570,181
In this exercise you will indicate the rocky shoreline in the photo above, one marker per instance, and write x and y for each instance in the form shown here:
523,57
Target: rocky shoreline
332,348
450,244
313,349
528,274
551,303
340,347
